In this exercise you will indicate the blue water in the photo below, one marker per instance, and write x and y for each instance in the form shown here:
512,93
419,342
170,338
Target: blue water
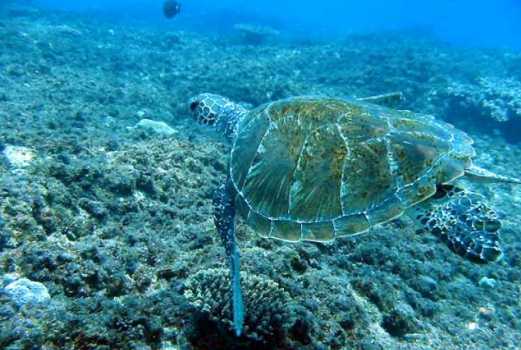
477,23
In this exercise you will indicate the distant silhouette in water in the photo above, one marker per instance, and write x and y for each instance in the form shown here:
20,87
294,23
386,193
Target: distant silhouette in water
171,8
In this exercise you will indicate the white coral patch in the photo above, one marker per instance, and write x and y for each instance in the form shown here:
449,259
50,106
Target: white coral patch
472,326
154,127
25,291
19,156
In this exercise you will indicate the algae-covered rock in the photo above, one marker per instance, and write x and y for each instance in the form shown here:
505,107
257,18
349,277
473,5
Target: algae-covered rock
255,34
18,156
400,321
495,98
26,292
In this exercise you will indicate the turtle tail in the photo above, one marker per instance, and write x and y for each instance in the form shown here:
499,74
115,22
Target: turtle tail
463,221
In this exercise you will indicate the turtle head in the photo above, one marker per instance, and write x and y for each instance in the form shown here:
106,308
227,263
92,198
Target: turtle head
216,111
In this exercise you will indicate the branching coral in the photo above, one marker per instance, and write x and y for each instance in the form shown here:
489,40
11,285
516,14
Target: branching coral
266,303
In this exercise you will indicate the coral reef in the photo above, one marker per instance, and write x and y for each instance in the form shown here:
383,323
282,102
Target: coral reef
116,222
268,309
491,97
255,34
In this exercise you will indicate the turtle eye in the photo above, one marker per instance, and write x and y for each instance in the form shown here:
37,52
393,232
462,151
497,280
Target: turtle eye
193,106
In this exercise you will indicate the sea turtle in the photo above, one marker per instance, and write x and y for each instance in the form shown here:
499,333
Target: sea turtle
316,168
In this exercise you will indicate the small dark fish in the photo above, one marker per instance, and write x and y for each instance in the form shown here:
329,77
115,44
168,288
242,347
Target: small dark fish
171,8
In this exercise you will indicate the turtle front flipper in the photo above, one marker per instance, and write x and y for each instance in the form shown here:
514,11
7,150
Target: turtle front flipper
463,221
224,219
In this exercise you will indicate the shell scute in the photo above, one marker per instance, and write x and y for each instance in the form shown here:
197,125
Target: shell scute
251,130
315,193
358,125
391,208
367,177
319,232
286,230
259,223
270,175
313,112
351,225
415,153
450,168
421,124
418,191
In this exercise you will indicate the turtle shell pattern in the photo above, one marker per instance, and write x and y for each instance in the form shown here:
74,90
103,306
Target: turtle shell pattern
314,168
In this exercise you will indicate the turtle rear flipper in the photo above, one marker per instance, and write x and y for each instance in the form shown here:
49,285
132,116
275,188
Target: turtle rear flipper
463,221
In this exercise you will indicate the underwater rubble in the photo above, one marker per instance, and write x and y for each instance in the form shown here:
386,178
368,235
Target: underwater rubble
498,99
106,196
255,34
491,102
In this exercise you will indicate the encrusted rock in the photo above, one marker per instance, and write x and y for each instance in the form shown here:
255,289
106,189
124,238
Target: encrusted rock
18,156
498,99
255,34
154,127
24,291
400,321
487,282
